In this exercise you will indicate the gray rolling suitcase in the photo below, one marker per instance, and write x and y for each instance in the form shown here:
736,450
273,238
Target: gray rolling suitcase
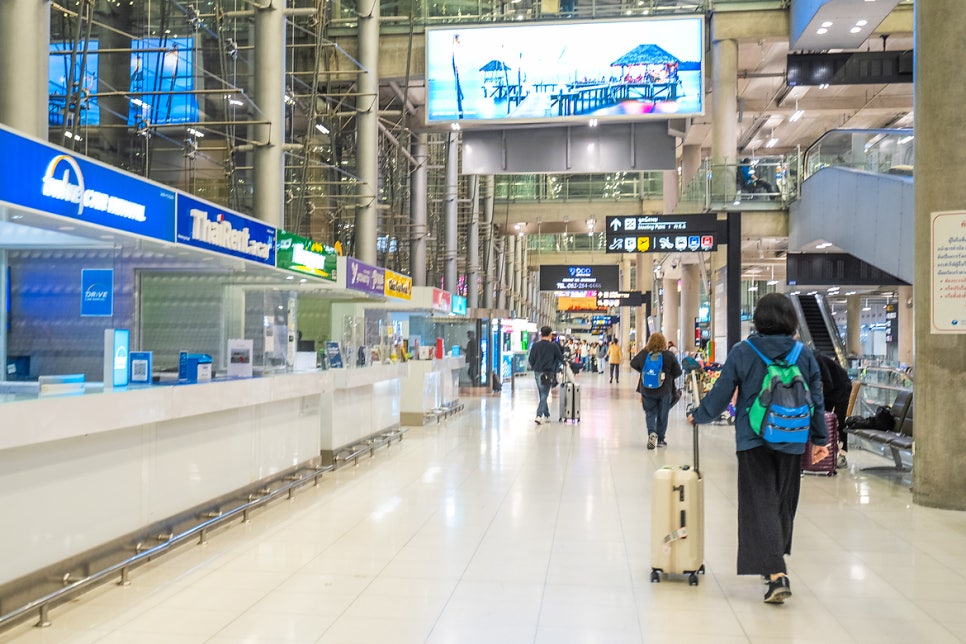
570,402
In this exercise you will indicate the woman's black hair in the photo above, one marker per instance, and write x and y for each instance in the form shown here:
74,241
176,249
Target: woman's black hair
775,315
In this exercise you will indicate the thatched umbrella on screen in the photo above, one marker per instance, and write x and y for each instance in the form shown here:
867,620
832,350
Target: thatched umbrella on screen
645,56
495,73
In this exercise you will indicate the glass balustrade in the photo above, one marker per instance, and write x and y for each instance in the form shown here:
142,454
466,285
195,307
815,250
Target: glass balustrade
886,151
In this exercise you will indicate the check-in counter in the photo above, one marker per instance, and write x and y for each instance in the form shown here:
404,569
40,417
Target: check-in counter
80,471
432,385
360,403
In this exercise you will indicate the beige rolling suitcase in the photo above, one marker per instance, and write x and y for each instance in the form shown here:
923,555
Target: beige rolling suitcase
677,521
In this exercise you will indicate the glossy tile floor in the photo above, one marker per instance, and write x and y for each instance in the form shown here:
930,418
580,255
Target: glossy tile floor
490,529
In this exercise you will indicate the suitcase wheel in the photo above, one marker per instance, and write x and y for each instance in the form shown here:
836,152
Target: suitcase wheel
693,579
655,577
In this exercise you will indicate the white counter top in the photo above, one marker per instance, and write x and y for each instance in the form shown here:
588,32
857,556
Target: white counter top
27,422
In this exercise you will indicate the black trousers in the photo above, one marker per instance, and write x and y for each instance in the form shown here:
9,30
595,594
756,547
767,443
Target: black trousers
768,487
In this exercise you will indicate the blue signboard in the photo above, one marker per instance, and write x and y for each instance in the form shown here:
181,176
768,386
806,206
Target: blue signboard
52,180
459,305
97,292
205,225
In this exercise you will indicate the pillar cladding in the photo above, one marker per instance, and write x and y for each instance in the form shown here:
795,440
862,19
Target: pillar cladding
24,46
641,275
268,157
672,313
853,325
939,466
417,210
473,246
367,131
690,303
452,210
724,119
489,243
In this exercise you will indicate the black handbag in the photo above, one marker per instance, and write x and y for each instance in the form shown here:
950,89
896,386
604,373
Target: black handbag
676,396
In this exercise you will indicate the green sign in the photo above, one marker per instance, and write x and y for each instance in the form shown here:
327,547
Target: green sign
303,255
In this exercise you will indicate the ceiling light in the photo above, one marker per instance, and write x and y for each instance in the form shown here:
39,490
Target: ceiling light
455,127
855,30
822,31
198,134
823,86
906,139
752,288
593,123
827,23
772,282
772,142
861,23
321,128
796,116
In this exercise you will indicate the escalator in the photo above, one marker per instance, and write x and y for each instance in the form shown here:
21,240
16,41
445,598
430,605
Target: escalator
816,327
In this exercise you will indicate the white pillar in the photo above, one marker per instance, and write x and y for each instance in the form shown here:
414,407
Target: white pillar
24,56
268,157
367,133
724,118
473,246
417,211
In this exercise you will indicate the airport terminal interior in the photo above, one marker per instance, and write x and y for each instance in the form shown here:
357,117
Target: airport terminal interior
270,273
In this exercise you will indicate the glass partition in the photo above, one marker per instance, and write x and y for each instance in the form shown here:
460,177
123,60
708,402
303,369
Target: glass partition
615,186
890,151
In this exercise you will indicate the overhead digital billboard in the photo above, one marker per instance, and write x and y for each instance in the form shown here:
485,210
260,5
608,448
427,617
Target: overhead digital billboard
556,277
608,70
84,81
160,69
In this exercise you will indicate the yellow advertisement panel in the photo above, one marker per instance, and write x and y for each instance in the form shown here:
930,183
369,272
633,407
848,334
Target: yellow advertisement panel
398,285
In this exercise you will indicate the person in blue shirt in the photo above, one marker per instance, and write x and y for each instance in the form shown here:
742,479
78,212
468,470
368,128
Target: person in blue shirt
769,475
545,358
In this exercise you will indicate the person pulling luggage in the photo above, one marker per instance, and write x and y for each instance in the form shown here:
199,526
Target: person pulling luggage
769,471
545,358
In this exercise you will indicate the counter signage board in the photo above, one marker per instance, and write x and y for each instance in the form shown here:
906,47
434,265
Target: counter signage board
302,255
398,285
459,305
97,292
205,225
948,271
662,233
556,277
53,180
363,277
442,301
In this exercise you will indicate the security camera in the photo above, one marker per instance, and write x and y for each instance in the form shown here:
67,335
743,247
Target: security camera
674,263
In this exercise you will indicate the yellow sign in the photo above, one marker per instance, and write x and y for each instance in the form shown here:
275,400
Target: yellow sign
643,244
567,303
398,285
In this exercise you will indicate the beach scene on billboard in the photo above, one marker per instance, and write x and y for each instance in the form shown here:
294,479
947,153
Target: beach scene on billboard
560,71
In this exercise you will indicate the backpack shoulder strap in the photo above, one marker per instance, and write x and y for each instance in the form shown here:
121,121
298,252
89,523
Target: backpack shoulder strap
796,351
761,355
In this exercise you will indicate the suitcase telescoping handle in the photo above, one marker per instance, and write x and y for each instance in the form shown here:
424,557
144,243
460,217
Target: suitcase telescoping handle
697,467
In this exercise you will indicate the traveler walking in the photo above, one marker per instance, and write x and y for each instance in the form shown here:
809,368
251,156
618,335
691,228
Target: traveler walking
658,368
769,473
614,357
545,358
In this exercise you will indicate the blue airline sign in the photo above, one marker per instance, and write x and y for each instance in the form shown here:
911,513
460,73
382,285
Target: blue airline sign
53,180
205,225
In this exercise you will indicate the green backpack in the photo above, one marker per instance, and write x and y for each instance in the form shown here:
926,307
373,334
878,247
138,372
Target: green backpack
782,411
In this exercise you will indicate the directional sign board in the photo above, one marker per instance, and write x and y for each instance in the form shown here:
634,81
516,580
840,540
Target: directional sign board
619,298
662,233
